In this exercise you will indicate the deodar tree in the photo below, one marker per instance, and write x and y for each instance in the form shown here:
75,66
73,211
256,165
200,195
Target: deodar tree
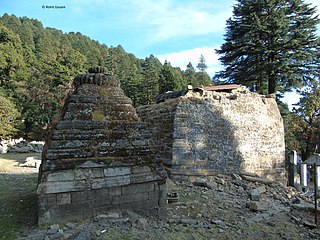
305,122
270,46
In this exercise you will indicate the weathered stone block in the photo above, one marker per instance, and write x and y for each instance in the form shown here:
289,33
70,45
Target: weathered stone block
144,177
132,198
141,169
64,198
117,171
60,187
88,173
255,195
117,181
257,206
97,203
137,188
47,200
61,176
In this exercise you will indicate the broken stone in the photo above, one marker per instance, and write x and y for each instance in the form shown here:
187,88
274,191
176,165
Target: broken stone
56,235
212,185
304,206
189,221
262,189
172,197
71,225
257,206
216,221
32,161
297,219
255,193
235,177
142,221
55,226
257,179
133,217
113,215
309,223
83,235
67,235
240,184
201,182
220,181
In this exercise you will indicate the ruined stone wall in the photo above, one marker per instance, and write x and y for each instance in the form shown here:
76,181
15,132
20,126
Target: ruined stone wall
214,132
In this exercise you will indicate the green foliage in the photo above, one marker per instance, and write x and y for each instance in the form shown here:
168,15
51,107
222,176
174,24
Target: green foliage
166,80
306,122
289,134
150,80
270,45
37,66
202,66
8,118
197,79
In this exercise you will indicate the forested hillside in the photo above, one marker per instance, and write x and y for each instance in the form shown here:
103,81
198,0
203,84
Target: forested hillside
37,66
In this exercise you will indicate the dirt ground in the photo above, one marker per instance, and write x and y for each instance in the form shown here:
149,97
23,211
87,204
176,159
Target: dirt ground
218,210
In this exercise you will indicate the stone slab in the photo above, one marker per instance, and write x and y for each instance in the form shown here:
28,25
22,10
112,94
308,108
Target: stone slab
60,187
117,181
117,171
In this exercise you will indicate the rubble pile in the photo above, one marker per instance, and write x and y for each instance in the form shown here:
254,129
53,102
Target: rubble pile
220,207
20,146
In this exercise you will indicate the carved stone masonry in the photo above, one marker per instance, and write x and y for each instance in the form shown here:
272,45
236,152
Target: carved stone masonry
99,157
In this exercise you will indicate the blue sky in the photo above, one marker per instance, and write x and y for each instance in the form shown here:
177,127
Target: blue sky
175,30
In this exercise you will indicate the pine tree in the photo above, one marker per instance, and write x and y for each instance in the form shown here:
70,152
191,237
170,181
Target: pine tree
189,74
202,77
179,81
270,45
150,80
166,78
202,66
306,122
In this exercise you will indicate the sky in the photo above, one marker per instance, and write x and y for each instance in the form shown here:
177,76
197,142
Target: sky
178,31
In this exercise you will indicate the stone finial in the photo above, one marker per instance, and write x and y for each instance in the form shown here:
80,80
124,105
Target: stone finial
97,69
97,75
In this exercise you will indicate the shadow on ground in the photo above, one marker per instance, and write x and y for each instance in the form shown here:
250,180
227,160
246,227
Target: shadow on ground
18,204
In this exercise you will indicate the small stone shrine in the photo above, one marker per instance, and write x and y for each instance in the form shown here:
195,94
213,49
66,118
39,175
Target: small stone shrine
99,157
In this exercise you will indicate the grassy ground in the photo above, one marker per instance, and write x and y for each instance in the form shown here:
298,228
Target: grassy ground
17,196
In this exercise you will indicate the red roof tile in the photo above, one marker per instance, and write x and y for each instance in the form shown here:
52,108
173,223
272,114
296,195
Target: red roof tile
220,87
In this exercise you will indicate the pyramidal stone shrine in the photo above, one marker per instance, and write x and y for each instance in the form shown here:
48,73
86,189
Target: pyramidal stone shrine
99,157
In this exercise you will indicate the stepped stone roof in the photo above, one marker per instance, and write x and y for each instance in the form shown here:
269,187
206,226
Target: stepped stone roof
99,156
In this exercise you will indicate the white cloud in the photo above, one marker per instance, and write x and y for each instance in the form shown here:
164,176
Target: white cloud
168,19
181,59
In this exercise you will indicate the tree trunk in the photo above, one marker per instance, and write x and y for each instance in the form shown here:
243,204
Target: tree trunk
271,85
271,75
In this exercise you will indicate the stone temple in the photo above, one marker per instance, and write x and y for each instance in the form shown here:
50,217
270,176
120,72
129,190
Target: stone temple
99,157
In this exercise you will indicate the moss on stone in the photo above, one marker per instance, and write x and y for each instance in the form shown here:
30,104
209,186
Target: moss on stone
103,91
98,115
